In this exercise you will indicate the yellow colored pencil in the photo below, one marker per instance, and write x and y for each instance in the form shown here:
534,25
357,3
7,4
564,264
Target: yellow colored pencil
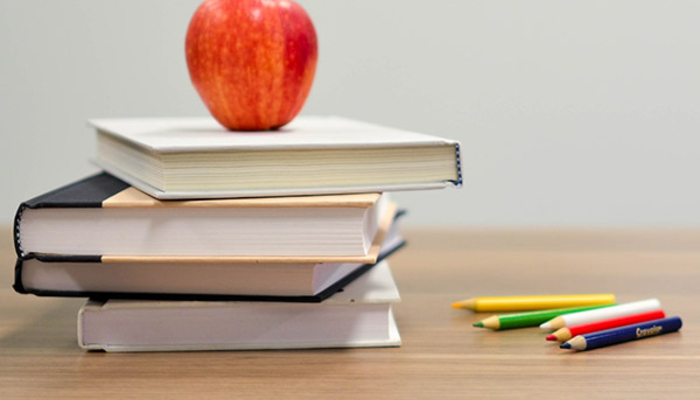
532,303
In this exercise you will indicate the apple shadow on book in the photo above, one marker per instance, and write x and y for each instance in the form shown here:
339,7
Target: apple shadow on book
218,129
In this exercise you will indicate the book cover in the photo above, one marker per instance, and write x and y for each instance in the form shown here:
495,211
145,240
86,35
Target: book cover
175,158
359,316
19,286
106,213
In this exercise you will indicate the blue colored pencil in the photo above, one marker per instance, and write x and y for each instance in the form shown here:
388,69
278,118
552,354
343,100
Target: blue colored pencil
624,334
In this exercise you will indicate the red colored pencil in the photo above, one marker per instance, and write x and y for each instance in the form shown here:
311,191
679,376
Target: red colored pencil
564,334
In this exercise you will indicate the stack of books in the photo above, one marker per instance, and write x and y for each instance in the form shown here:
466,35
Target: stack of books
196,238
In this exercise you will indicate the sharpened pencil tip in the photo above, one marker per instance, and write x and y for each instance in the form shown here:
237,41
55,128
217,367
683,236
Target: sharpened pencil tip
566,345
478,325
546,326
552,338
469,304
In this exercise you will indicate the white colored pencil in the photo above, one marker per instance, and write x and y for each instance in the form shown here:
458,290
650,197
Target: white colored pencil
599,314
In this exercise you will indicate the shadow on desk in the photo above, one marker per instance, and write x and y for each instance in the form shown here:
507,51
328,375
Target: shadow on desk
53,328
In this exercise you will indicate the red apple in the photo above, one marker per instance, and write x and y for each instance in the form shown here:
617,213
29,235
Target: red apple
252,61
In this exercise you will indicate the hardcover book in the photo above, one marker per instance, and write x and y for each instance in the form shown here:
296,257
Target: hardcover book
176,158
293,282
359,316
104,219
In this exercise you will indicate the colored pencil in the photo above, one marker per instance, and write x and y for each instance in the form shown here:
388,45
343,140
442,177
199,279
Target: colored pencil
564,334
532,303
586,317
527,319
624,334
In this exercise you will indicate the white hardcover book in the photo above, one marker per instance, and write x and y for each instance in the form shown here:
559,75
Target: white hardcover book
359,316
174,158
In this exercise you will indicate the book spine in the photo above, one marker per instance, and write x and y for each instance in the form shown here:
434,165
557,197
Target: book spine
17,285
16,230
90,192
458,162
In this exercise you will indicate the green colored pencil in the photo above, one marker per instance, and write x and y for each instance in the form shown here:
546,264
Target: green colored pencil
528,319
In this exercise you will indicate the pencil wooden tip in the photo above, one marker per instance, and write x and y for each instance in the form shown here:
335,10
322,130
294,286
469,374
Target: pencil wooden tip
492,322
465,304
553,324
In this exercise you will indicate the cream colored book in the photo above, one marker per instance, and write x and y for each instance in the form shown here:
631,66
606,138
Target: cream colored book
359,316
176,158
105,218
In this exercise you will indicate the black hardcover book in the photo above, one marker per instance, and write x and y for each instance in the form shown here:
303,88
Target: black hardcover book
105,218
75,277
267,278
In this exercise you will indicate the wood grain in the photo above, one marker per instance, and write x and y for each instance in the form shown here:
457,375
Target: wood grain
442,355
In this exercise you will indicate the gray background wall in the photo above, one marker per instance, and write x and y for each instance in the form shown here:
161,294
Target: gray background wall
571,113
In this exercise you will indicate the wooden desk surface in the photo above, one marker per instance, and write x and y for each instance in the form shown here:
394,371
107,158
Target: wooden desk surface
442,355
